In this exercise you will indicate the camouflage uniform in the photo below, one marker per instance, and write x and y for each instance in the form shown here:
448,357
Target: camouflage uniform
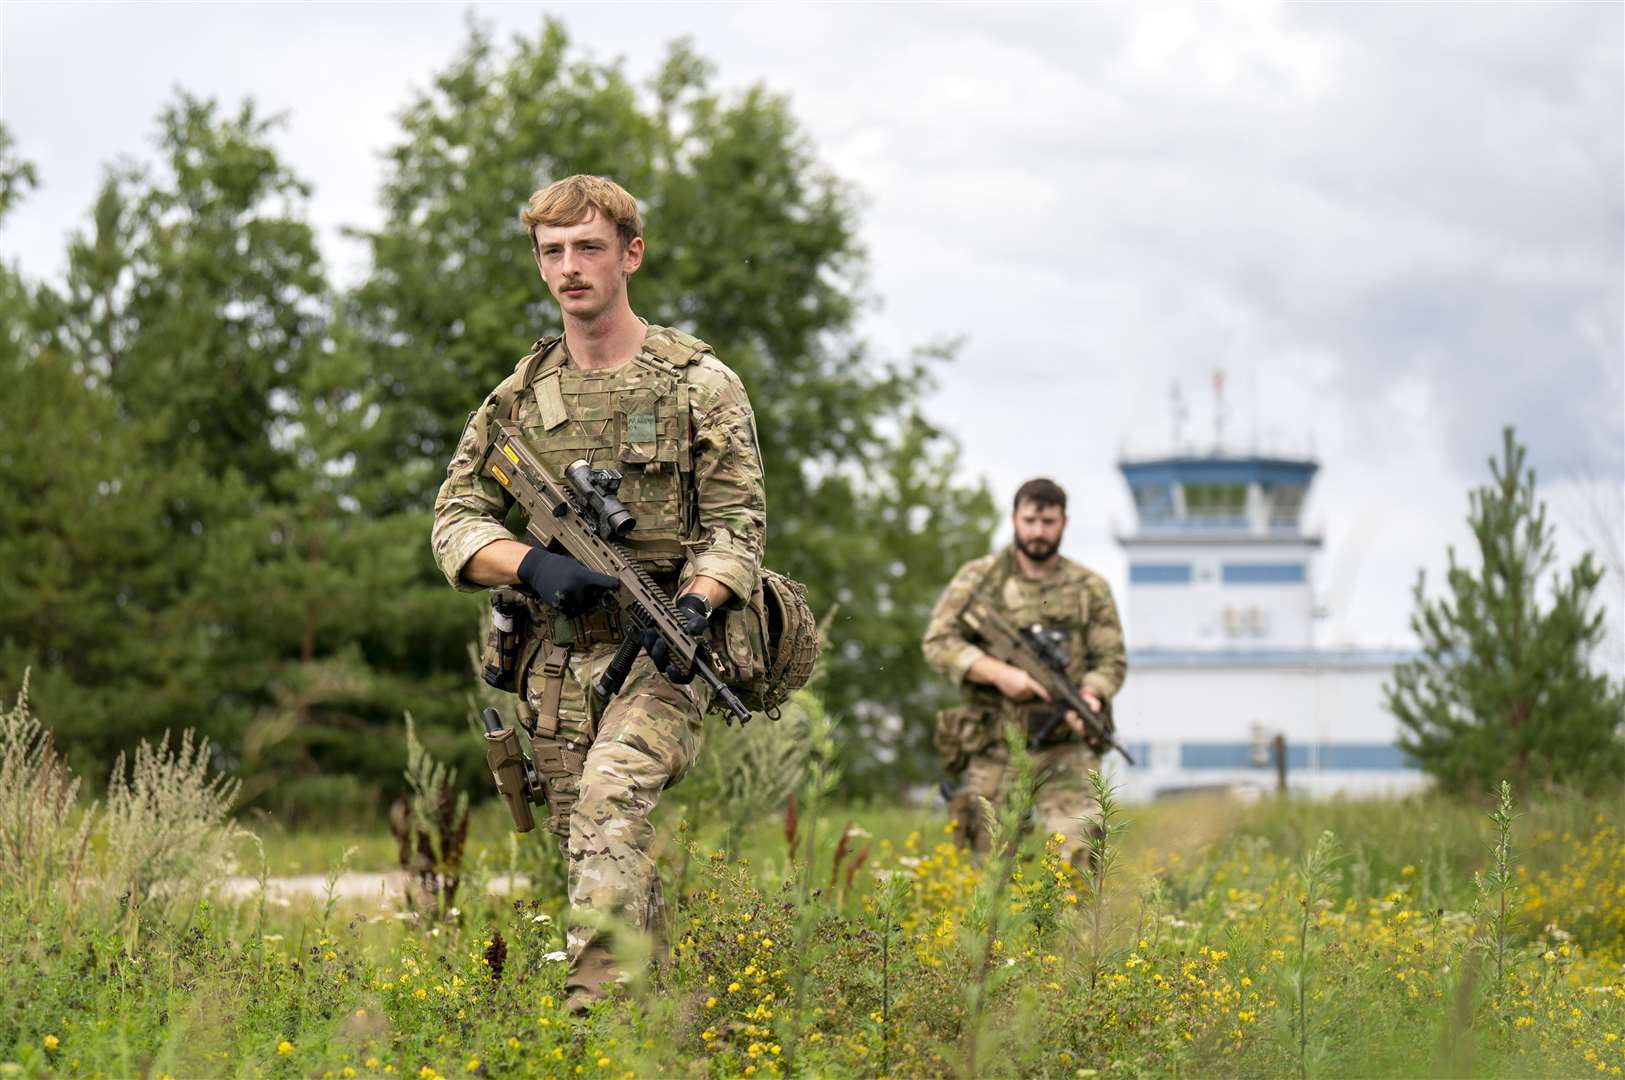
1073,600
679,425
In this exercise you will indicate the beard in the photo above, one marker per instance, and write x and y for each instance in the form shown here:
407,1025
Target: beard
1037,548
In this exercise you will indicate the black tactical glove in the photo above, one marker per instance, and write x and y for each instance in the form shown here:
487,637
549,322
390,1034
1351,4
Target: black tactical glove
694,612
561,582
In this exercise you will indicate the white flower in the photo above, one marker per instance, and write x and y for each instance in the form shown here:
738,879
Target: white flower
555,956
541,918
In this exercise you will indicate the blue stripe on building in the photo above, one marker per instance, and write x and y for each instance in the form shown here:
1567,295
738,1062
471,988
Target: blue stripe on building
1159,573
1327,756
1264,573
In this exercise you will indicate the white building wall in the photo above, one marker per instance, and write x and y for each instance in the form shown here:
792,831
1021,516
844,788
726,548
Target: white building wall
1324,707
1208,612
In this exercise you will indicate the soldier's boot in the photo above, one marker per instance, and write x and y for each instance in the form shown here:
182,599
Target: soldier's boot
591,975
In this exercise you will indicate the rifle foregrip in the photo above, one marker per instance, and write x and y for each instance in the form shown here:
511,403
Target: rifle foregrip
620,666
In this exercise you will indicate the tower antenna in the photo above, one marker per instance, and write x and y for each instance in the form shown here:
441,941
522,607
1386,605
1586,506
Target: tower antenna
1218,410
1176,405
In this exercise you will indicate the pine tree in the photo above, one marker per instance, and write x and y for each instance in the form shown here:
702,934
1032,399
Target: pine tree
1504,687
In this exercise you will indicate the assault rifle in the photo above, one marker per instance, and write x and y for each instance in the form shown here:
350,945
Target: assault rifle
1028,649
582,517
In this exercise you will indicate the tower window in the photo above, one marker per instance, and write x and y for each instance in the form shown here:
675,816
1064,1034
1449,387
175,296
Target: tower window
1216,503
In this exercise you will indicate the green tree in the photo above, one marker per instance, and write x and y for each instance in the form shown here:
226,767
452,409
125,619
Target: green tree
1504,687
91,596
188,569
752,246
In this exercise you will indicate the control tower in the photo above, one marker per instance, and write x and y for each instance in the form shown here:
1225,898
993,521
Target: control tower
1222,659
1219,557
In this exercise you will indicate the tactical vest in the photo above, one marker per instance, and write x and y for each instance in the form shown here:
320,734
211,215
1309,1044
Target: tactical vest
633,418
1025,605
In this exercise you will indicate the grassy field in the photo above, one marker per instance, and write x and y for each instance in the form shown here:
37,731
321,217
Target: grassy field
1215,942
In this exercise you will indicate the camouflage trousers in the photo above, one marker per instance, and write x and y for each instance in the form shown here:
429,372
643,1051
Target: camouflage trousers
604,771
1063,801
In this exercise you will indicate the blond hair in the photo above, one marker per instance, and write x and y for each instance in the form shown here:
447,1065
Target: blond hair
571,200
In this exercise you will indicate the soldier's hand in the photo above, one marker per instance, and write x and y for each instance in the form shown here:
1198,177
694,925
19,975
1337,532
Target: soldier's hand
691,611
1075,722
1017,685
561,581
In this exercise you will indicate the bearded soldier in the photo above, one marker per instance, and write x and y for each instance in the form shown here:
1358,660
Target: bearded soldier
657,405
1032,585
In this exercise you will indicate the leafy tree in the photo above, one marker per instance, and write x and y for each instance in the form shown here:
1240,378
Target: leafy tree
1504,687
90,597
188,569
753,247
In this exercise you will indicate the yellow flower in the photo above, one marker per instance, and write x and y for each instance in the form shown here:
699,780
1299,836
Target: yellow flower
348,1070
711,1002
426,1073
473,1065
733,988
284,1047
603,1063
51,1042
371,1063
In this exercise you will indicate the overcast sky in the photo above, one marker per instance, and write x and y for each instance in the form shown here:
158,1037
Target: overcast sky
1396,228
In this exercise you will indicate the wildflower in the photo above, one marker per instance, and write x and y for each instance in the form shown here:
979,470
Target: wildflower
284,1047
603,1063
711,1002
733,988
51,1042
348,1070
371,1063
473,1065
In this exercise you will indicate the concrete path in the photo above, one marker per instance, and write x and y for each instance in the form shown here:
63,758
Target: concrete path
386,888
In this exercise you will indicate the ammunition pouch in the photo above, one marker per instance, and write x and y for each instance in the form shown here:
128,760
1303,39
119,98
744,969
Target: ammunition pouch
766,649
963,731
600,626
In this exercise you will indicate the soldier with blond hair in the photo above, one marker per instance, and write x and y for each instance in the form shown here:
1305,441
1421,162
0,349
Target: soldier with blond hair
1033,585
657,405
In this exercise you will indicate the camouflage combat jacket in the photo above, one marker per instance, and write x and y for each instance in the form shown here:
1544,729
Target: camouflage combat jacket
674,420
1074,601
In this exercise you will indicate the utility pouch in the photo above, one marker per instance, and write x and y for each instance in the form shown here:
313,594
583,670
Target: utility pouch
962,732
509,620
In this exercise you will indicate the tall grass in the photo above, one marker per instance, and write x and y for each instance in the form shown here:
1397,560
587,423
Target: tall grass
1224,941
